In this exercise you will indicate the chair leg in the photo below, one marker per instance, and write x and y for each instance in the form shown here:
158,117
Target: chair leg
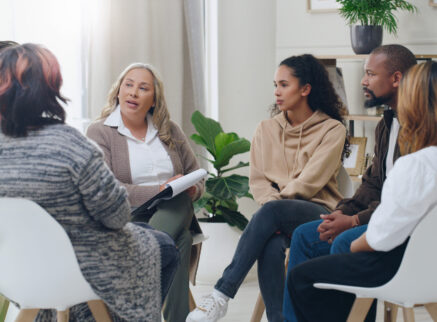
99,310
191,301
390,312
27,315
408,314
259,309
359,309
432,310
62,316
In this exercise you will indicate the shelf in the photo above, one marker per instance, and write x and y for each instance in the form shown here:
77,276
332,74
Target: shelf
328,57
363,117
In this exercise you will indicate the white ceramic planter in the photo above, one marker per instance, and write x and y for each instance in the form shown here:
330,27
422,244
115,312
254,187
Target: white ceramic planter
217,252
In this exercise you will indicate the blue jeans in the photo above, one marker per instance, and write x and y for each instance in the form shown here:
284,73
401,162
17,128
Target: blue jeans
265,239
306,245
169,258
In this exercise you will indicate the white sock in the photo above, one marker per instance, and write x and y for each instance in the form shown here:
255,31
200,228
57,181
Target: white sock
220,294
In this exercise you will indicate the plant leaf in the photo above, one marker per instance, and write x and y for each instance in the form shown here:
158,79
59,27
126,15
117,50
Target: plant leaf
236,147
234,218
208,129
228,187
223,139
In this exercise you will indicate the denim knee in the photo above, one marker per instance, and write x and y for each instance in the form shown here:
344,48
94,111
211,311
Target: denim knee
342,243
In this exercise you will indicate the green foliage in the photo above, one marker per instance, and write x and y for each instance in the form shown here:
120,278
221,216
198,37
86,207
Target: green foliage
374,12
220,197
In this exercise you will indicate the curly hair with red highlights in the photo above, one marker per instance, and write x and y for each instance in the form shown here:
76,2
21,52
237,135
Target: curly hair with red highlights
30,82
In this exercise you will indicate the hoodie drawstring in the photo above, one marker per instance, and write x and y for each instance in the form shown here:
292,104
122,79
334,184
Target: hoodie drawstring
297,153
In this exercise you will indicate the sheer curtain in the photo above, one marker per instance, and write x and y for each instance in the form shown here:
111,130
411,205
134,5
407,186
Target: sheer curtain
95,40
166,33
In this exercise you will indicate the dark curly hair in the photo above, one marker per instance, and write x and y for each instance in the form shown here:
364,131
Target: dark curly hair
309,70
30,80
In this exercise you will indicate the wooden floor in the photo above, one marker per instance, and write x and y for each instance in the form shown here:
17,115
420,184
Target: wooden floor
240,309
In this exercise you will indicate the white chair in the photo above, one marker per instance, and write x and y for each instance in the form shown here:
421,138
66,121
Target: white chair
346,188
415,282
39,269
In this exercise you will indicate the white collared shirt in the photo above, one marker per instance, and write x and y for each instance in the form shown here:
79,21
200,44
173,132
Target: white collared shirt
409,192
149,162
394,131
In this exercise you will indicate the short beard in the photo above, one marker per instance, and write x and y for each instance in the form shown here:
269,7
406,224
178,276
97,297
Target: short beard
376,101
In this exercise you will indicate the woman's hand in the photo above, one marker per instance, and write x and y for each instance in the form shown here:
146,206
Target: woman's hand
360,245
162,187
191,191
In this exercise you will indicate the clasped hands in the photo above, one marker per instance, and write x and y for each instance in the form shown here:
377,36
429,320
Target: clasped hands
191,191
335,223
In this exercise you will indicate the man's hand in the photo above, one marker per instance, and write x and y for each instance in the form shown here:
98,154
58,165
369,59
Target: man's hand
334,224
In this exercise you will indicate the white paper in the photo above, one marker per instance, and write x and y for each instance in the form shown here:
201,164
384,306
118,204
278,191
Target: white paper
183,183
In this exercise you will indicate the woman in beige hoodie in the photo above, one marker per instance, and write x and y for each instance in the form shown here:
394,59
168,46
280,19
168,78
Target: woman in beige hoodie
295,158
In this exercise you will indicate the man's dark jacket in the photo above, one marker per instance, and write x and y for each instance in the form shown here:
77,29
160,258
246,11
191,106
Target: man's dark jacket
368,195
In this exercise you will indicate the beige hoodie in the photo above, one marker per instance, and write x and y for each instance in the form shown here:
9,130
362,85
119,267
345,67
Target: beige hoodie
303,160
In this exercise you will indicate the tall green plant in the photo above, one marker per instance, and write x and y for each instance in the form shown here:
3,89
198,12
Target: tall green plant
222,191
374,12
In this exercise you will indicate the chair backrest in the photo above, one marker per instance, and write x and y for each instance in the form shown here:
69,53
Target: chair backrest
416,280
345,185
38,266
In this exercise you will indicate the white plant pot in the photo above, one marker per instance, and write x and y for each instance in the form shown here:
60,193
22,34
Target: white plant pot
217,252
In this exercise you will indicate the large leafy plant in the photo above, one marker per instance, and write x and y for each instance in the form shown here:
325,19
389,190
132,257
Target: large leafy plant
222,190
374,12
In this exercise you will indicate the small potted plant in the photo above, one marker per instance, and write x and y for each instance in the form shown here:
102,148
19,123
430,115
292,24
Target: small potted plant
222,189
367,19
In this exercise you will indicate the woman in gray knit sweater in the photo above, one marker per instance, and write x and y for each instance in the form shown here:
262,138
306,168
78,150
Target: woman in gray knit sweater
44,160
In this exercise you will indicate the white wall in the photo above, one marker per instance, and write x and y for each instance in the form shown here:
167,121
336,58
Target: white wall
246,64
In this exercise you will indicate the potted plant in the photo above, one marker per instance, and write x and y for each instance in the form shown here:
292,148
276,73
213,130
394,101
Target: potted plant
222,189
372,16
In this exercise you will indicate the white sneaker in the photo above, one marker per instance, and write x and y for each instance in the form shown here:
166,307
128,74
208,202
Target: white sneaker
211,308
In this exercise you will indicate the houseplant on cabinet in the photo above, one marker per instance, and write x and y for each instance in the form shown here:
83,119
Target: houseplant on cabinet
219,201
368,18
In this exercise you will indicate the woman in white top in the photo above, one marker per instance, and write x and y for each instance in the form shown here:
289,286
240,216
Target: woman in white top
145,150
409,192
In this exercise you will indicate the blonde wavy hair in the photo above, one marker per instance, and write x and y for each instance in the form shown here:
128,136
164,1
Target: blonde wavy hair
417,108
160,114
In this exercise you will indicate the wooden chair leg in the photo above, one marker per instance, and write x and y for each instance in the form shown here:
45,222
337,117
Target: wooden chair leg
390,312
191,301
432,310
62,316
259,309
27,315
408,314
4,305
99,310
359,309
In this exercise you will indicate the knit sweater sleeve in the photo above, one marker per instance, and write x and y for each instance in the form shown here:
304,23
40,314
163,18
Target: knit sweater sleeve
320,168
261,188
102,195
